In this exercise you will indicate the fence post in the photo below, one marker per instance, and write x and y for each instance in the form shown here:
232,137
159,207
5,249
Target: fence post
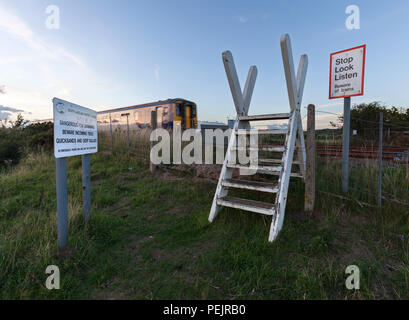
153,167
127,128
310,165
380,160
345,144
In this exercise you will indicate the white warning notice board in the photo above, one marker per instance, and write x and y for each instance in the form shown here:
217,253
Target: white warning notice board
347,68
75,129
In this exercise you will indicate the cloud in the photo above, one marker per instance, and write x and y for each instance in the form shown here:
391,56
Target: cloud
9,109
156,72
45,69
12,24
6,112
2,89
322,120
330,105
242,19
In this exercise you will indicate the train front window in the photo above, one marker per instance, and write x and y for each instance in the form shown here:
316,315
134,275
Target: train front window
178,109
193,111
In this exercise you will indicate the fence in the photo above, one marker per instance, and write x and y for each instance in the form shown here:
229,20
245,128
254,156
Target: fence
374,179
379,162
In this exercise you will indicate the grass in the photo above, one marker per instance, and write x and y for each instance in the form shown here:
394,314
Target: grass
149,238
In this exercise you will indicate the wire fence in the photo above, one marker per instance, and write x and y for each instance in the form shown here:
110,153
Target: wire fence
378,161
365,170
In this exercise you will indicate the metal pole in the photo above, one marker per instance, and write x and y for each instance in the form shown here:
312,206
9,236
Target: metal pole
345,144
86,185
380,160
112,138
62,201
310,166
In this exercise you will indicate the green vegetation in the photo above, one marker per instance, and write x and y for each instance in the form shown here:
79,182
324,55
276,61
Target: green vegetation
365,120
149,238
19,139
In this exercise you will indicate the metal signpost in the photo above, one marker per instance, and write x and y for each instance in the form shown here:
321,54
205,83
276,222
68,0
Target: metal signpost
347,68
75,133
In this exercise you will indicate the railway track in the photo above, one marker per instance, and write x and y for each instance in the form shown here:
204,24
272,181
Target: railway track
389,153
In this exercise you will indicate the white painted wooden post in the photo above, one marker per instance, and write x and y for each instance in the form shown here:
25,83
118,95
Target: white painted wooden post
295,88
294,135
242,106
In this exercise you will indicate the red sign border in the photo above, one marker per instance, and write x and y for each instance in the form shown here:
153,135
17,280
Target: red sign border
363,72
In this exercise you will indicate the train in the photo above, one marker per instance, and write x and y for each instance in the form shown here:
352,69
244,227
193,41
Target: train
170,113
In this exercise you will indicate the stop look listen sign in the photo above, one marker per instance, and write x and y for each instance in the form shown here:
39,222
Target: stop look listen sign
347,68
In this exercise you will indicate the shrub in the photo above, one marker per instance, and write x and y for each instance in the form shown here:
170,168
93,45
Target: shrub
20,138
11,148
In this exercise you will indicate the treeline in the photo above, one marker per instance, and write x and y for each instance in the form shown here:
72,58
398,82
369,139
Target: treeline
18,138
367,115
365,119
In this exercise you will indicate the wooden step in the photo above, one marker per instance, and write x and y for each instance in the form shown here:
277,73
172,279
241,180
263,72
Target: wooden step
251,185
261,132
259,169
261,117
265,148
247,205
262,169
262,161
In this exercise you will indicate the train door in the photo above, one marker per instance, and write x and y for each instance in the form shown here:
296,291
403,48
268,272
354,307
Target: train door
188,116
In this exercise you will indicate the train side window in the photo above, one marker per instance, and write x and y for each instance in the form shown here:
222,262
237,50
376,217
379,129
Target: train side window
136,115
193,111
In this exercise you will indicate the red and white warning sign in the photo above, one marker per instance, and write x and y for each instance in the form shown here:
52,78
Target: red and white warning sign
347,68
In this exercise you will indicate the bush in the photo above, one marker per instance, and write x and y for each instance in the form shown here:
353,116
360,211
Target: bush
39,136
11,148
19,139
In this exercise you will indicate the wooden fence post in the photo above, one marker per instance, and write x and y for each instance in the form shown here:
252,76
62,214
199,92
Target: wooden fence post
310,167
380,160
153,167
112,137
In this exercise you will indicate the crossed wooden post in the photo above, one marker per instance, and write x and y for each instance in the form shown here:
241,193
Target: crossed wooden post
295,89
294,136
242,103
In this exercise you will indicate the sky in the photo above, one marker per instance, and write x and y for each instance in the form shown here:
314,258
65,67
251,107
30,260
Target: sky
107,54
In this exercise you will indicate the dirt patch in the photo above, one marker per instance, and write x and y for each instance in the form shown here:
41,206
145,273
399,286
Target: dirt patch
208,171
166,175
106,292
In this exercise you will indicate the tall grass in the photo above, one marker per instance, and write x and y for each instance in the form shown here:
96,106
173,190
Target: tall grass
148,236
